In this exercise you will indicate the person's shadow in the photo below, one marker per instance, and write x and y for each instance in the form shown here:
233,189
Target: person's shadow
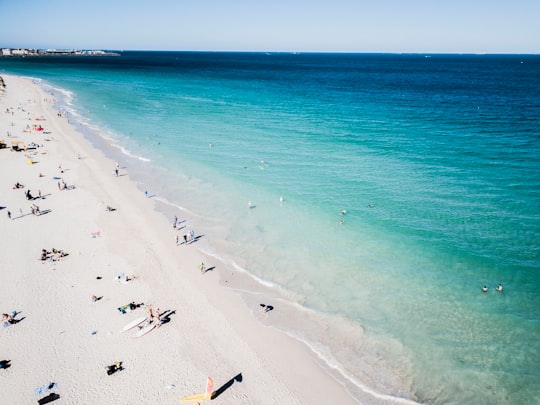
49,398
165,318
226,386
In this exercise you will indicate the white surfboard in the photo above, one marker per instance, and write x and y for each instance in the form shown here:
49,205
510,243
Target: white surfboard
146,329
136,322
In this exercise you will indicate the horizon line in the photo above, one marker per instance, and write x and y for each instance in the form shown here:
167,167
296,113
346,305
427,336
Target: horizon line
282,51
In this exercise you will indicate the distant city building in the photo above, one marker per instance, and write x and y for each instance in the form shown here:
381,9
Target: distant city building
54,52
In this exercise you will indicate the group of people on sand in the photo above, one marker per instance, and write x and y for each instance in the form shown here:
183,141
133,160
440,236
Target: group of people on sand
52,255
37,127
188,237
63,186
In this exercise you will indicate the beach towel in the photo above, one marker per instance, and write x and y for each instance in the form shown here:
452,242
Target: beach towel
45,388
124,309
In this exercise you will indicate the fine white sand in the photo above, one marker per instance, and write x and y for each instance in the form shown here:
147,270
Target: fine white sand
211,332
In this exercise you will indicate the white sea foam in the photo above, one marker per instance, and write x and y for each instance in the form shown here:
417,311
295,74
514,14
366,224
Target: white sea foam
259,280
328,359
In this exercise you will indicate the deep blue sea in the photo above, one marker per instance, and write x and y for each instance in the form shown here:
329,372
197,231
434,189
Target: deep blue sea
387,190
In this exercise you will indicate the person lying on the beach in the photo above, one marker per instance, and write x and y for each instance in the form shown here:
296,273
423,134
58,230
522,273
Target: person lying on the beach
114,368
18,185
45,254
266,308
9,319
130,307
58,252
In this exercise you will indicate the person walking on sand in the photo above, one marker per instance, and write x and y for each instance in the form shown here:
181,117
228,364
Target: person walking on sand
202,267
9,214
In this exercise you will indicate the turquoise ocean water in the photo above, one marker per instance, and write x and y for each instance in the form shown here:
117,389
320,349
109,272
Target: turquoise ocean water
436,161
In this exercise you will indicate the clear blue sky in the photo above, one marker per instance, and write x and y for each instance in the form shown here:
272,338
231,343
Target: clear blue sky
454,26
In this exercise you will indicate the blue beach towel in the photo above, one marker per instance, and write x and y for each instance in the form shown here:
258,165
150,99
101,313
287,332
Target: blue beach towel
42,390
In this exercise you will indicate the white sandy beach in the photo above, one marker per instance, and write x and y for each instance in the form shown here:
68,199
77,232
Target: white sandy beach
210,331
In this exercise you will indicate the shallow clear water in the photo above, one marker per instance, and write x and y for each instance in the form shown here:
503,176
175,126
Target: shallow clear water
435,160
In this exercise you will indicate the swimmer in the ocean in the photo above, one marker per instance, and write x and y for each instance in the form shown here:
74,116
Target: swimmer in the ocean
484,288
499,288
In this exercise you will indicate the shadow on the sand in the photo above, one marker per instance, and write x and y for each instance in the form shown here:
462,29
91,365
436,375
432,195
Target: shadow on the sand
226,386
165,318
195,239
16,321
49,398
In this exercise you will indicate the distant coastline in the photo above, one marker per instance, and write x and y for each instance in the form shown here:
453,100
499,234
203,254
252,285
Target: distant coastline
18,52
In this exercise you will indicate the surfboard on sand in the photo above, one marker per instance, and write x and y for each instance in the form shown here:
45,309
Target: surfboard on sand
146,329
193,398
134,323
198,397
205,396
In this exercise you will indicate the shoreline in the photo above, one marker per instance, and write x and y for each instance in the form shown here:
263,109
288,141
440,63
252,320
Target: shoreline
135,239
